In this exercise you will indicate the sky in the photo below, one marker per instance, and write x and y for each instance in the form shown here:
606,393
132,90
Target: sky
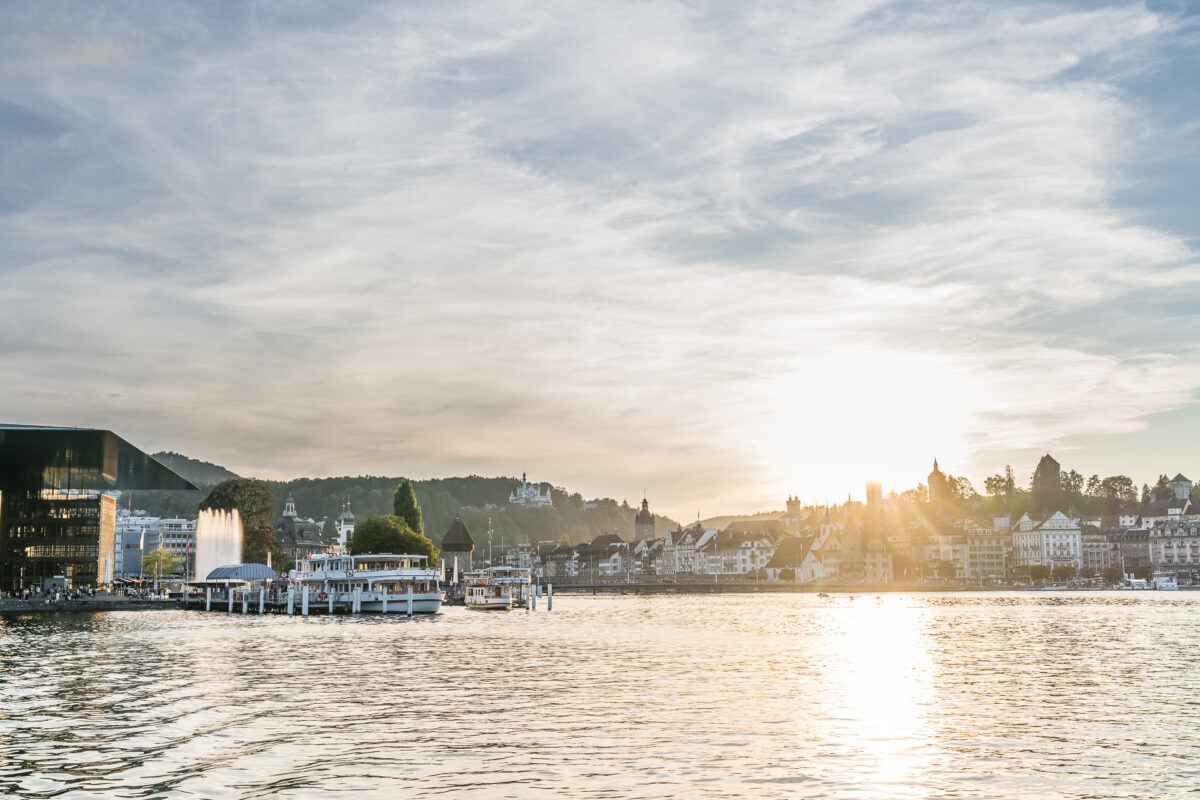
719,253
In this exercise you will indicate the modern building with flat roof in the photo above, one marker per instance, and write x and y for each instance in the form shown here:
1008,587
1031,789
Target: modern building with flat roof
54,519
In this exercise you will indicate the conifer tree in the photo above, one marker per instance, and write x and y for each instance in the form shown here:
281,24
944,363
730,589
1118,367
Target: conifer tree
404,505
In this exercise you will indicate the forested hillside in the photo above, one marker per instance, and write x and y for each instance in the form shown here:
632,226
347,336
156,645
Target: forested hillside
440,499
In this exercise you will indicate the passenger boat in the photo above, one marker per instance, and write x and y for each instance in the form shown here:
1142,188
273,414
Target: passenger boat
498,588
380,582
1164,582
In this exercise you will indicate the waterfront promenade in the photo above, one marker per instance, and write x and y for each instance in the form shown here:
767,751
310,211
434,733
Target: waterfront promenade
9,605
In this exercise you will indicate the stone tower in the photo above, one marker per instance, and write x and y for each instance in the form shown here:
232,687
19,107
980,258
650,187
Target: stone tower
644,523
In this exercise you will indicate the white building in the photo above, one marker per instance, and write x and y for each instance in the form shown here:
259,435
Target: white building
344,527
735,553
1055,541
529,495
136,535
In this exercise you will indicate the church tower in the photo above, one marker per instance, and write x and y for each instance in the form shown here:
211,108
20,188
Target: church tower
644,523
344,527
939,489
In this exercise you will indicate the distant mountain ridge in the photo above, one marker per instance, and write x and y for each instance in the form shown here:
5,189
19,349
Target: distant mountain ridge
473,498
201,473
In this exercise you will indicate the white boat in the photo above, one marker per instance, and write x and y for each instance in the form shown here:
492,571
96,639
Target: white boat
1164,582
498,588
379,583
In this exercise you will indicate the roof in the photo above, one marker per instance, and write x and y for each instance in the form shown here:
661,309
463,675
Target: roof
791,552
1179,478
44,457
243,572
457,539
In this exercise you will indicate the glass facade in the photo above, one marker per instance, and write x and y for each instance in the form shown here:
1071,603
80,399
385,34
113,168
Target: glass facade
54,520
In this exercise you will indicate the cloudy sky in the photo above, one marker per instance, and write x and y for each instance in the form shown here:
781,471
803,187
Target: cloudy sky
720,252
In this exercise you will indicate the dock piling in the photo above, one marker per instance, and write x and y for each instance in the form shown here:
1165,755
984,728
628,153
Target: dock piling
245,604
549,596
331,604
410,601
304,601
230,590
208,598
261,598
291,601
384,601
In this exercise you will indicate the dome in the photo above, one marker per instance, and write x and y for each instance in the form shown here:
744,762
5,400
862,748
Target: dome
243,572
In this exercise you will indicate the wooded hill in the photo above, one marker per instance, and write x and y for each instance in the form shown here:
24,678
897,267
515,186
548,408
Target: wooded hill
440,499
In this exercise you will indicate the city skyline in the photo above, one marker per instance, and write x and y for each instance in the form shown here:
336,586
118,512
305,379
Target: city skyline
721,254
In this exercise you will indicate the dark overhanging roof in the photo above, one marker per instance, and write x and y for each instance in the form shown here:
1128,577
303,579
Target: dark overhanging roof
44,457
458,539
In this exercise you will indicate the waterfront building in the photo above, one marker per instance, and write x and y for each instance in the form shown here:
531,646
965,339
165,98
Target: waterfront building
1131,549
736,551
565,561
56,522
457,547
790,554
529,495
1054,541
987,554
679,553
643,523
604,556
1174,548
1096,552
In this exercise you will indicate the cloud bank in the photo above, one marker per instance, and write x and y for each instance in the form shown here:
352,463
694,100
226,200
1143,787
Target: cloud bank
719,253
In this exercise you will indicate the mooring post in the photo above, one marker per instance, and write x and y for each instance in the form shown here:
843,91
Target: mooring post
245,603
304,601
549,596
410,601
384,600
291,603
356,603
229,589
262,591
533,596
208,598
331,604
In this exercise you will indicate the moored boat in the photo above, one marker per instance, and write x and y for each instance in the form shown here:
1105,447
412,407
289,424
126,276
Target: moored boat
498,588
378,583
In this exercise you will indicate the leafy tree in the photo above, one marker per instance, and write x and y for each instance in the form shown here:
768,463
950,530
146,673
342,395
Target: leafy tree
1063,572
787,574
404,505
1093,487
1145,493
253,501
1117,490
390,534
946,569
160,562
1113,575
1003,486
1039,572
1072,485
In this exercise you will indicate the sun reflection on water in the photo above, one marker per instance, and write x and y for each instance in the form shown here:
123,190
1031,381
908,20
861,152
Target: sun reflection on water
880,679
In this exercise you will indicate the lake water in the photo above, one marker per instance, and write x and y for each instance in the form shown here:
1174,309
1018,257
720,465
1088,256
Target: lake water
1031,695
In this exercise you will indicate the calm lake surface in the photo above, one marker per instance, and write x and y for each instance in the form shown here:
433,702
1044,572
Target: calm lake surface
985,696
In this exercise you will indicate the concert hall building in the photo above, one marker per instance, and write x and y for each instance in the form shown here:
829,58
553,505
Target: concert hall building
55,521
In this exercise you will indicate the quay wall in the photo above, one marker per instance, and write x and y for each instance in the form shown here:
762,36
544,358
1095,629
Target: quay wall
40,606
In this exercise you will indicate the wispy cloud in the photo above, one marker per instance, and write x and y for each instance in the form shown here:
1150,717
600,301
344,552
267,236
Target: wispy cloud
722,253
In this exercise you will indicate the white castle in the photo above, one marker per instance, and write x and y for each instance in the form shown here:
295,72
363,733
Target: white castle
528,495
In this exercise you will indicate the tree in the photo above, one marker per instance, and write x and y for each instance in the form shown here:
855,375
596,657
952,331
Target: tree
1046,487
1117,490
1063,572
1072,485
252,500
160,562
390,534
1039,572
404,506
1113,575
1002,486
787,574
1145,493
946,569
